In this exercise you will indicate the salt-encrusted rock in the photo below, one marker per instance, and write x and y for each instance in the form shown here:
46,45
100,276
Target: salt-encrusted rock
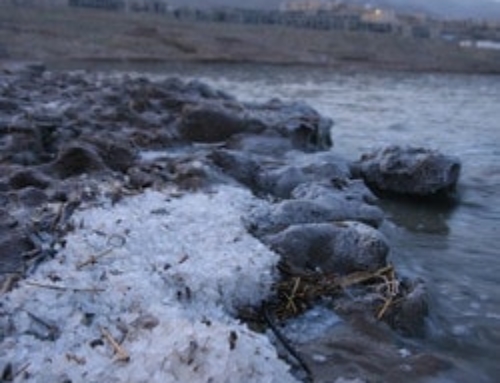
352,201
280,181
328,192
409,171
274,218
340,248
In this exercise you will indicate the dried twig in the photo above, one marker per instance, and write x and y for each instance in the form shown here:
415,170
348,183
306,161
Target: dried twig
284,341
92,260
77,359
118,240
121,354
21,370
8,283
53,331
64,288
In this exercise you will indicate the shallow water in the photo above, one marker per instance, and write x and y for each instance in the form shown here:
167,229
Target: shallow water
456,251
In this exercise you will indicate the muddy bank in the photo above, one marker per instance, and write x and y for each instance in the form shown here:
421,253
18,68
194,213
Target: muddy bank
72,141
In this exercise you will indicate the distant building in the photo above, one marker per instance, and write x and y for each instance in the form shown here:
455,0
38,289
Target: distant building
378,15
308,5
100,4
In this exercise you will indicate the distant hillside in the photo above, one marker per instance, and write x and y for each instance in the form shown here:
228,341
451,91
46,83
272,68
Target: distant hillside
444,8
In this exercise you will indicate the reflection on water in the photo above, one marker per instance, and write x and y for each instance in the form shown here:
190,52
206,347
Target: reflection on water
418,216
455,250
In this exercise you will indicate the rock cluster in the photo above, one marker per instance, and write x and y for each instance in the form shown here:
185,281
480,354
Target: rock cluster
69,137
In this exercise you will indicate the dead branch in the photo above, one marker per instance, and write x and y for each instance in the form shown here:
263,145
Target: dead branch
121,354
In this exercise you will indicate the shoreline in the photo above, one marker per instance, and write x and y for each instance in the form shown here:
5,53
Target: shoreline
66,35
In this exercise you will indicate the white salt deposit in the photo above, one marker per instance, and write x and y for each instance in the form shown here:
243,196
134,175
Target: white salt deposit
173,272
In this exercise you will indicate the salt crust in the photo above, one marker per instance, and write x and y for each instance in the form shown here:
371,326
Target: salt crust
185,266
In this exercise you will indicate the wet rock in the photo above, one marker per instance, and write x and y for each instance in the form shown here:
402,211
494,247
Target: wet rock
211,122
408,171
340,248
76,159
409,316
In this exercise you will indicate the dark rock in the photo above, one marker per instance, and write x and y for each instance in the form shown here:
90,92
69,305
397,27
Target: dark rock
211,122
20,143
29,177
32,197
139,179
340,248
8,106
13,243
302,125
413,172
116,154
7,221
240,166
76,159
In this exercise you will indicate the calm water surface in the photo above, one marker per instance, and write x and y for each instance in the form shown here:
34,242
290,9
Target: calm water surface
457,252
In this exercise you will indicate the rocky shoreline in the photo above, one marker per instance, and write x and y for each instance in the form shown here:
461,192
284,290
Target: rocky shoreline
70,138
